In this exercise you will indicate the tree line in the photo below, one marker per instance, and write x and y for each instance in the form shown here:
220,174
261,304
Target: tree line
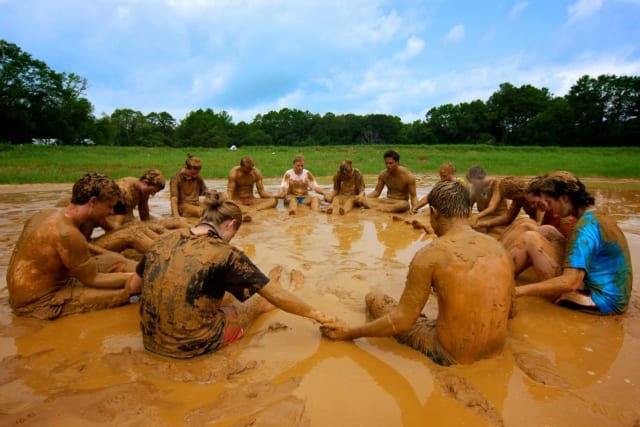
42,105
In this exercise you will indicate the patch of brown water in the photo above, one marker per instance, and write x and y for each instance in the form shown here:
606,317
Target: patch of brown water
559,367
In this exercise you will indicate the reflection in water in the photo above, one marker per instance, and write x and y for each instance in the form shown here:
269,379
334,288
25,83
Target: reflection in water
375,382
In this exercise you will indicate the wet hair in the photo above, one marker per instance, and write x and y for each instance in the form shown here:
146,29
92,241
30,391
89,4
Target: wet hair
298,158
533,187
393,154
476,172
512,187
93,184
346,166
154,178
246,162
193,162
218,210
448,166
451,199
562,183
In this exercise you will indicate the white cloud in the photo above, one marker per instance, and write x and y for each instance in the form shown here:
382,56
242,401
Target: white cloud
412,48
583,9
518,8
455,34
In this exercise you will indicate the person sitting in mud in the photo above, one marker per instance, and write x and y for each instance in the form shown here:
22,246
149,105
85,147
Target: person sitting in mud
52,271
447,172
295,187
240,185
348,189
541,217
186,187
189,279
472,277
596,274
401,187
485,194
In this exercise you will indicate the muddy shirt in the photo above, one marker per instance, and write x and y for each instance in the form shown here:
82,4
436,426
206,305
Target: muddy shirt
130,196
602,252
186,188
184,278
349,186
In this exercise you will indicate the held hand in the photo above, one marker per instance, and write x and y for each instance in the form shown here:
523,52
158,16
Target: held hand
133,284
336,330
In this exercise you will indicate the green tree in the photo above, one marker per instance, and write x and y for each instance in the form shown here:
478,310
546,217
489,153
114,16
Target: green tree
205,128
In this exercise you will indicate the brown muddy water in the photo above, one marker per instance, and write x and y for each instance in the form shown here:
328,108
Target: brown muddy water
559,367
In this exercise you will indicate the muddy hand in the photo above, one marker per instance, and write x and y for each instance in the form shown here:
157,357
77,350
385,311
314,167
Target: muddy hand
335,330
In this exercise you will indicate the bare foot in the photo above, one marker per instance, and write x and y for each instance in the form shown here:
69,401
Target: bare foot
275,273
292,212
341,211
396,218
247,218
296,280
329,211
379,304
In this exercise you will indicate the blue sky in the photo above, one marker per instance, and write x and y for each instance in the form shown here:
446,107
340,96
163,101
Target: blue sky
346,56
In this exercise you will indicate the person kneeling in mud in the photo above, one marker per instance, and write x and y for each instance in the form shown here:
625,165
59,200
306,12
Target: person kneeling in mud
184,312
472,277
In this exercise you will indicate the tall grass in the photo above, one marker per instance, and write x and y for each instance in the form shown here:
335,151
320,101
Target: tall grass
35,164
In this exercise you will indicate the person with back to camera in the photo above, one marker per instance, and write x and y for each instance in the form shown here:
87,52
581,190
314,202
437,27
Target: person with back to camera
348,189
295,187
401,187
186,187
596,274
472,277
184,310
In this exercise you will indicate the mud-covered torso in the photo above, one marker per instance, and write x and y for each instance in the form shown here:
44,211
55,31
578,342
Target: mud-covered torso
184,280
186,188
349,186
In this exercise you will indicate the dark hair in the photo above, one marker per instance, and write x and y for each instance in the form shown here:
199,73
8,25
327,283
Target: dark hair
451,199
218,210
154,178
561,183
533,187
393,154
476,172
93,184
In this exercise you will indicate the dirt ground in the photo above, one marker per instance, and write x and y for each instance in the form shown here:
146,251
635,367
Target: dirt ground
559,367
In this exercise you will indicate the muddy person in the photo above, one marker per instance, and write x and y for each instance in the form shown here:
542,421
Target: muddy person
295,186
186,187
485,194
348,189
400,184
240,184
53,272
466,269
595,275
184,312
446,172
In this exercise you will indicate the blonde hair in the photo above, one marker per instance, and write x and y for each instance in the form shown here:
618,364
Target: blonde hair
218,210
154,178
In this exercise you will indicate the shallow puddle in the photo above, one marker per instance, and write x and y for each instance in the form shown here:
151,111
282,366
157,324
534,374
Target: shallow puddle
559,367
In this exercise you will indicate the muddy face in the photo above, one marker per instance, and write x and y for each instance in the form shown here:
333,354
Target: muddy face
559,367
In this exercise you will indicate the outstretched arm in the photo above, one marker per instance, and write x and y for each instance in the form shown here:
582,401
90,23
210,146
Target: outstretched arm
288,302
570,280
379,186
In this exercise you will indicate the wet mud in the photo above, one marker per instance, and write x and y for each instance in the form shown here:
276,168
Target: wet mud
559,367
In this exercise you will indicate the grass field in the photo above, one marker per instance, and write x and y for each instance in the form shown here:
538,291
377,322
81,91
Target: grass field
23,164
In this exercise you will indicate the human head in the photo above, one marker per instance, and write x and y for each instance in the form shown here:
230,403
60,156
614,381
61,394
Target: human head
224,215
391,159
447,171
193,164
93,184
561,188
476,172
451,199
346,168
247,164
298,163
533,193
154,179
448,199
513,188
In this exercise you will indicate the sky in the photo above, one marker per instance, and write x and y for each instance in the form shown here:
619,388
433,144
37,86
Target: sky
249,57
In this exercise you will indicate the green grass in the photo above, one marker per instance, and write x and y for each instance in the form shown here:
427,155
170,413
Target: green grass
23,164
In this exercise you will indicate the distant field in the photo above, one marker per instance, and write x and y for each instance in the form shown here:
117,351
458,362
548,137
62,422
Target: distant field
34,164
